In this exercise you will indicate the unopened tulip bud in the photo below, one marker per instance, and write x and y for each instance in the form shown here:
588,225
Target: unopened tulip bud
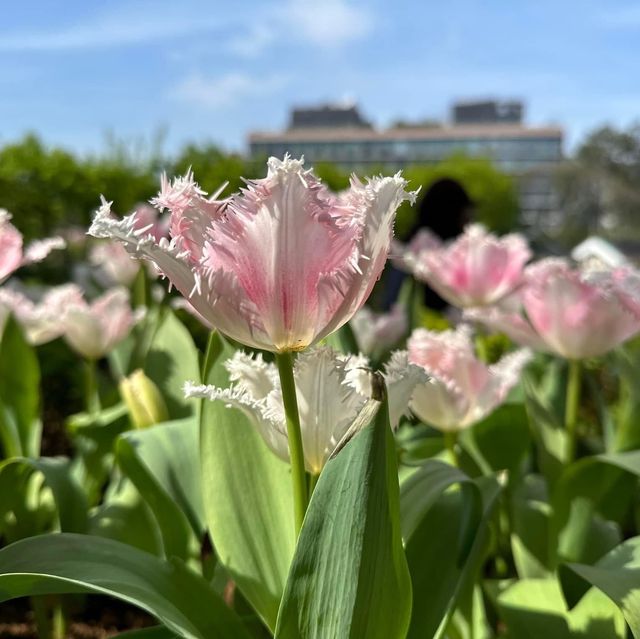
143,399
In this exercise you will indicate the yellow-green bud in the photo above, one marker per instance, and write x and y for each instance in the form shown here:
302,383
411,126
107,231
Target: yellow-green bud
143,399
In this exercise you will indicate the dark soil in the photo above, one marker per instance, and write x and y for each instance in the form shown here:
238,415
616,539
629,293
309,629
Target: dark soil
99,618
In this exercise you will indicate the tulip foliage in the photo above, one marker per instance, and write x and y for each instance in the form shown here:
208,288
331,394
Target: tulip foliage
257,454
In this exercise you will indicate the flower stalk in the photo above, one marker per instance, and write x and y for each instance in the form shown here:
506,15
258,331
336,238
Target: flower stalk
92,397
450,442
284,362
571,407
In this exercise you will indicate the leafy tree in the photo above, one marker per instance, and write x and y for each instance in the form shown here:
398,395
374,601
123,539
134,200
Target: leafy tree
493,192
599,189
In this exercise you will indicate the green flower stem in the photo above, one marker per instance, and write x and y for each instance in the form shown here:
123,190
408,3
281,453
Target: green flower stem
313,480
450,442
571,407
482,350
92,398
294,434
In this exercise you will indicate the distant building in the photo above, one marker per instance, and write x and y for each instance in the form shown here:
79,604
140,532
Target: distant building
327,115
479,129
488,112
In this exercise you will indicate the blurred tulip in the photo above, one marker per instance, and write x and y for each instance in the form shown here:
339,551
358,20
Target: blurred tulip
143,400
476,269
115,264
332,390
573,313
377,333
93,330
278,266
42,321
12,254
461,390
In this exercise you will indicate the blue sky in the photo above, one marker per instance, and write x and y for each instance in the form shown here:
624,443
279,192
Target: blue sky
211,71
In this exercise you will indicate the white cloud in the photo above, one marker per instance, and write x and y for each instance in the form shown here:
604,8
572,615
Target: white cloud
331,23
136,24
227,90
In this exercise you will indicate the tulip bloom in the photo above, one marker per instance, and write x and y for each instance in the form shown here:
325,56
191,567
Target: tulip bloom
332,389
278,266
12,254
461,389
115,264
573,313
476,269
93,330
41,322
377,333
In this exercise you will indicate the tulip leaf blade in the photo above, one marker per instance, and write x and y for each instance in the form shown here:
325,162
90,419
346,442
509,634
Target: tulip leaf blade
162,462
617,575
20,425
247,496
172,359
445,519
534,608
349,556
70,563
57,475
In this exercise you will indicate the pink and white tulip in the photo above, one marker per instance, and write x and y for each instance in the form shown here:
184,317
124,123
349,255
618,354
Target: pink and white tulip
377,333
94,329
461,389
279,265
41,321
571,312
332,390
476,269
115,264
13,255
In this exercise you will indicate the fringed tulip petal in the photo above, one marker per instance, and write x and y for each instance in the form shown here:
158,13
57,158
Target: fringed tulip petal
461,389
332,389
279,265
476,269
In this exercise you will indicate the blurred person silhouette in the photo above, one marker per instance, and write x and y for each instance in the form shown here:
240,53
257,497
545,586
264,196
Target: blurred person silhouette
445,209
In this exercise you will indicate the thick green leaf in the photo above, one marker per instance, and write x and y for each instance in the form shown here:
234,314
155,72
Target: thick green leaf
24,499
534,608
423,488
602,484
445,517
617,575
247,497
171,361
124,516
66,563
547,432
171,452
502,439
162,462
20,426
530,538
349,576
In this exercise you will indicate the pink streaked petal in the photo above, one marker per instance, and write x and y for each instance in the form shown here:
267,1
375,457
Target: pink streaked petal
191,213
374,205
10,247
477,269
576,315
279,239
502,319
